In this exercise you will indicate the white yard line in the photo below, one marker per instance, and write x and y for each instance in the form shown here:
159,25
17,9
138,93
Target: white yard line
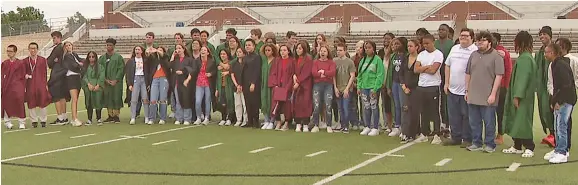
390,155
86,135
163,142
130,137
371,154
443,162
46,133
363,164
16,130
209,146
91,144
260,150
316,153
513,167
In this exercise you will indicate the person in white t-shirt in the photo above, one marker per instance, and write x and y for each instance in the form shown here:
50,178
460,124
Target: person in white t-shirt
455,88
428,90
137,80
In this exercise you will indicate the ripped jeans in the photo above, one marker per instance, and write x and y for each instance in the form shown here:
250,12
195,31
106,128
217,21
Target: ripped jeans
322,93
370,108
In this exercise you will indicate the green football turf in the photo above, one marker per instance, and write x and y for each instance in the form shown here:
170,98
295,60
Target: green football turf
108,158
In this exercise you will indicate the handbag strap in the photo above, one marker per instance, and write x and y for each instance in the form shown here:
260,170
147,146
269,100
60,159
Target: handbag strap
366,67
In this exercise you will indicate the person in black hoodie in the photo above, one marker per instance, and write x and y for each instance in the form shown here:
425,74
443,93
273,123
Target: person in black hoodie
252,83
159,69
56,83
138,80
183,68
562,101
72,63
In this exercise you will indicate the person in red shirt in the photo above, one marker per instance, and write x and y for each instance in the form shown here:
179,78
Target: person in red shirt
503,86
13,87
323,72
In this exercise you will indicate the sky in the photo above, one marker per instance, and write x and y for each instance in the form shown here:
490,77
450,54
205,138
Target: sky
59,10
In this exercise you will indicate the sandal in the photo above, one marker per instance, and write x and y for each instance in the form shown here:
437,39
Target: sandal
528,153
512,150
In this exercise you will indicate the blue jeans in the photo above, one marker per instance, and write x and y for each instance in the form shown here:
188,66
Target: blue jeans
561,119
199,94
181,115
343,106
458,117
370,108
322,93
139,88
397,93
159,93
487,114
354,108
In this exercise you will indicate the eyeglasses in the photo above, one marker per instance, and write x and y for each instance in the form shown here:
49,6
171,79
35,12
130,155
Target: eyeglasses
92,57
464,35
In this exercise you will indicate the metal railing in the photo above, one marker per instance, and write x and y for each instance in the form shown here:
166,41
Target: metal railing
256,15
314,13
488,16
138,19
379,12
37,26
433,10
196,16
566,10
502,6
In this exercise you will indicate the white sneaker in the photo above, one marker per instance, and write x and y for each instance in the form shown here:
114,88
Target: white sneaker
177,122
265,125
365,131
387,130
22,126
198,121
244,123
206,121
147,121
8,125
549,155
222,123
75,123
394,132
132,121
150,122
237,124
436,140
558,158
421,139
322,125
315,129
373,132
228,123
270,126
305,128
355,127
329,130
187,123
99,122
298,128
161,122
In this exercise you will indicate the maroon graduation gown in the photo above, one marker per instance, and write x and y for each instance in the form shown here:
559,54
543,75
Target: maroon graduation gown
37,94
281,74
304,94
13,85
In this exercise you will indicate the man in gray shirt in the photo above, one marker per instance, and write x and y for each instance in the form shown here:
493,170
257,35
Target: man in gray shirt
483,76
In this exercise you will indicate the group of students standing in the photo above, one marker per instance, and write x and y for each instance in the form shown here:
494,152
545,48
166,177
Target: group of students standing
460,86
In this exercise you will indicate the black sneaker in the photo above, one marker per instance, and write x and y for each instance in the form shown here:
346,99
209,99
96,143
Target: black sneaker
64,122
345,130
407,140
110,119
43,124
56,122
116,119
34,124
88,123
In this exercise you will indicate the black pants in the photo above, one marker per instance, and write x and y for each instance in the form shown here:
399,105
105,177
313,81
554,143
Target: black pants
252,102
410,117
500,109
89,113
335,109
225,114
527,143
429,109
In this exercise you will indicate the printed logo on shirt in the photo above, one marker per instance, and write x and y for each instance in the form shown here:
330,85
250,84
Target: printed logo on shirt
397,64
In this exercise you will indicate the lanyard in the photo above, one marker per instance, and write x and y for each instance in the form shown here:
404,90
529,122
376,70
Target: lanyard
31,66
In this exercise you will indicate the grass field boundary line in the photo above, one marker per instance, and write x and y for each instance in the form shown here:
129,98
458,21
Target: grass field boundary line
164,142
261,149
363,164
443,162
91,144
209,146
46,133
16,130
85,135
316,153
513,167
266,175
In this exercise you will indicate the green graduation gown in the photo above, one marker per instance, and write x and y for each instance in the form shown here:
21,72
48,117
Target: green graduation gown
546,115
226,91
93,98
518,122
114,70
265,89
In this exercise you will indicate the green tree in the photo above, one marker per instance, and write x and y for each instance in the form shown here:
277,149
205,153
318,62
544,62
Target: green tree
76,20
23,21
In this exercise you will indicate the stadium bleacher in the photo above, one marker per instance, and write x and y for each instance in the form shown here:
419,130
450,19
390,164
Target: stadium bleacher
22,41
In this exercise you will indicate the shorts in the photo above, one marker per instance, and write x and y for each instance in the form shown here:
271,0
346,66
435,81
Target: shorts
73,82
